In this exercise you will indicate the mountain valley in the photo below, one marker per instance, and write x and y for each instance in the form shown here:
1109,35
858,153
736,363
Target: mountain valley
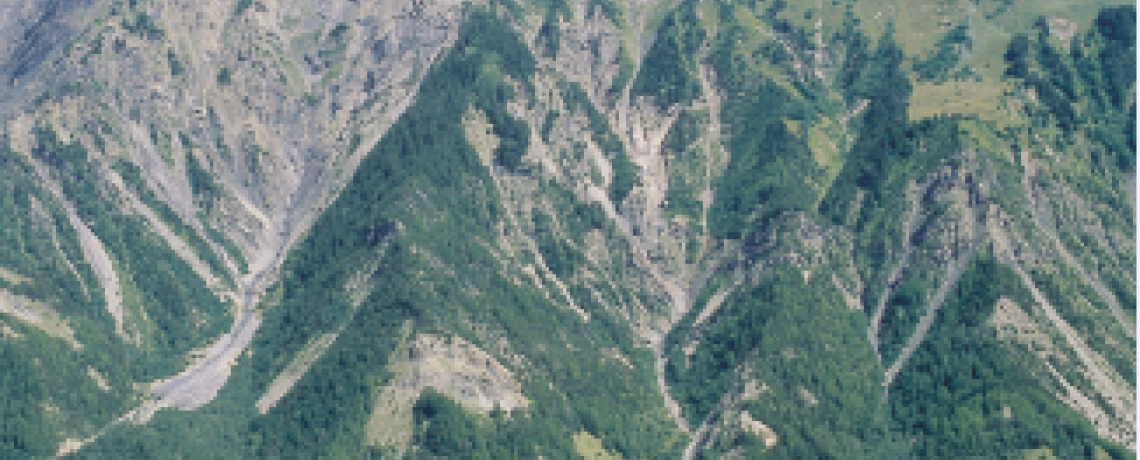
567,229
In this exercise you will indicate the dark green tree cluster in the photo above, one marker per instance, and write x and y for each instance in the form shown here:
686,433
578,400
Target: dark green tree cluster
876,76
770,168
548,125
29,249
68,165
888,152
42,372
669,70
856,54
576,100
904,309
684,158
514,138
549,35
443,429
955,393
26,431
793,334
626,176
883,140
946,55
1086,91
241,6
326,413
558,254
176,66
166,285
143,25
202,183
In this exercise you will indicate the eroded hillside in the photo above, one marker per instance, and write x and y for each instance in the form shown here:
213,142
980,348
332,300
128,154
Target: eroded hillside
280,229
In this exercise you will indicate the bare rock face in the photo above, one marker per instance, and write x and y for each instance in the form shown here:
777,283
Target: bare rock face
277,102
32,37
451,366
758,428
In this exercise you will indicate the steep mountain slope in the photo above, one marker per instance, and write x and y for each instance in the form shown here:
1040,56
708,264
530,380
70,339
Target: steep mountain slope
562,229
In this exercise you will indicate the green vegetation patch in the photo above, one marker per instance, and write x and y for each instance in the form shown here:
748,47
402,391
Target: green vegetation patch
626,174
549,34
42,371
1083,309
686,166
29,248
132,175
945,55
958,408
425,176
27,433
794,335
904,309
143,25
1089,90
770,169
514,138
888,153
590,447
68,164
669,70
626,68
171,294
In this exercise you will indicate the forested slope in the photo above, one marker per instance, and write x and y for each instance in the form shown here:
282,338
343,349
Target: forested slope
568,229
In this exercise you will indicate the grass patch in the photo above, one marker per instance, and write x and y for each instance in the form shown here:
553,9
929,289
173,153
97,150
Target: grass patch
1043,453
590,447
918,26
825,139
960,97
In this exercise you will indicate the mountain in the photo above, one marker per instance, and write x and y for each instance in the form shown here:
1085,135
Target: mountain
566,229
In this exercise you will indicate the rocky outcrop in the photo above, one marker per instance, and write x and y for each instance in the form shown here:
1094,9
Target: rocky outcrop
453,367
